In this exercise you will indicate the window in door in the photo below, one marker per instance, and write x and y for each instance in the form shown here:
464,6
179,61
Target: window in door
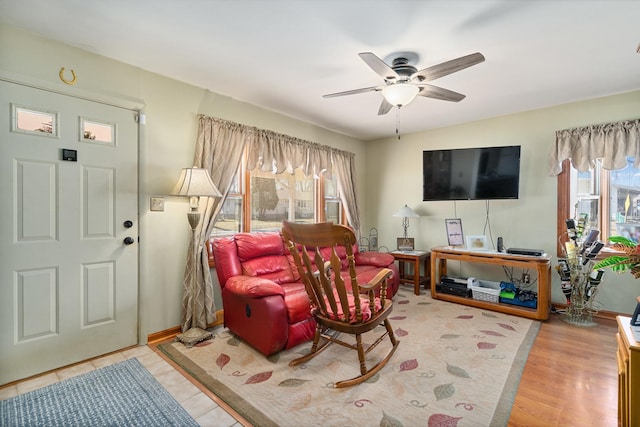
33,121
97,132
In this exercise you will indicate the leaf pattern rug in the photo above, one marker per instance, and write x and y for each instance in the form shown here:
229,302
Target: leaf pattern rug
455,366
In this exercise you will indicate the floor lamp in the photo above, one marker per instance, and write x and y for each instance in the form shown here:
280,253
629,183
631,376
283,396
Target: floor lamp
194,183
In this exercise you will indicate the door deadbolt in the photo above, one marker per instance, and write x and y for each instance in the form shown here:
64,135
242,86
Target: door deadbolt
128,224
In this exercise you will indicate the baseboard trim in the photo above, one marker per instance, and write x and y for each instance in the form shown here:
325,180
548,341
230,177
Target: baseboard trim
602,314
172,332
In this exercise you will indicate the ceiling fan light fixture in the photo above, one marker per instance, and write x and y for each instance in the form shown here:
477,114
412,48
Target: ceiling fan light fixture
400,94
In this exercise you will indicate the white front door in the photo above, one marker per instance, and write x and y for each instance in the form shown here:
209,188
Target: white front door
68,230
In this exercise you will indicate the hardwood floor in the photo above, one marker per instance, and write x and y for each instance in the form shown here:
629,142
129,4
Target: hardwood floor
571,377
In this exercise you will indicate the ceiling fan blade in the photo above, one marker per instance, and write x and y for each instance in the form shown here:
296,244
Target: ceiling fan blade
446,68
385,107
352,92
436,92
379,66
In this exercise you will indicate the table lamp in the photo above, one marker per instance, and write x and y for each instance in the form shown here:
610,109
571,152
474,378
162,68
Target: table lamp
405,243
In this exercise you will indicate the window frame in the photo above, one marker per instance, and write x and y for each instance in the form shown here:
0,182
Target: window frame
245,187
564,207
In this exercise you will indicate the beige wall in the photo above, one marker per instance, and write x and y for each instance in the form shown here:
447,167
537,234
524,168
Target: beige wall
166,146
529,222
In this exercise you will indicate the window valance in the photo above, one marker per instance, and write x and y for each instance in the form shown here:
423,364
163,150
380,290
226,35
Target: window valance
611,142
274,152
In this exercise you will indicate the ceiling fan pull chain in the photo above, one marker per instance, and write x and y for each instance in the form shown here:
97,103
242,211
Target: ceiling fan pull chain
398,122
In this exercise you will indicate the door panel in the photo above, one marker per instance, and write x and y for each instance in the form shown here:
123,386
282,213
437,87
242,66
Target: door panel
68,283
36,189
98,202
36,303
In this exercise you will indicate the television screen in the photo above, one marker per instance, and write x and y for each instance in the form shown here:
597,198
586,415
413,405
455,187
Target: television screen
471,173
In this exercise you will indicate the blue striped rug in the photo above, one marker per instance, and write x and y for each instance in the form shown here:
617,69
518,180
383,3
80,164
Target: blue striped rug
123,394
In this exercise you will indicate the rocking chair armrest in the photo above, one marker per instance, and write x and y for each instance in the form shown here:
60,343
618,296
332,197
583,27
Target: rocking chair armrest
377,280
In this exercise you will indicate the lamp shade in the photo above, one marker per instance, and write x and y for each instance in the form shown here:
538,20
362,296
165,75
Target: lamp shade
400,93
406,212
195,182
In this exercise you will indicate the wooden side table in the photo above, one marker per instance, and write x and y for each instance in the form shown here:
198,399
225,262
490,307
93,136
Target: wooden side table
414,258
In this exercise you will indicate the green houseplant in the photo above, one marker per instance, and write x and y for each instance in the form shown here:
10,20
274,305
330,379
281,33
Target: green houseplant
629,259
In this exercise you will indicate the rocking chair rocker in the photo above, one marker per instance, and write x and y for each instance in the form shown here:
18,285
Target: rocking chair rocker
339,306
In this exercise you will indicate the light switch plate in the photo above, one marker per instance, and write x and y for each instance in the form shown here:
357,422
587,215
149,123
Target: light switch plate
157,204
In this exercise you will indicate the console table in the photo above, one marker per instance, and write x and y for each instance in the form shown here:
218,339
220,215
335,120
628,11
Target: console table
415,258
541,264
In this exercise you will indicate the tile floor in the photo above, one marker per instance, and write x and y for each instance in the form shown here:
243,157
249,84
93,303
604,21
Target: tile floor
200,406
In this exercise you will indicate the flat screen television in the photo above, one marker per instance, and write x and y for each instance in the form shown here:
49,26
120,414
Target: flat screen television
484,173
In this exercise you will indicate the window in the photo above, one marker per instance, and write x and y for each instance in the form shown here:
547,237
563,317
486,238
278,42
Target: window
36,122
95,131
231,218
260,201
275,198
332,203
610,200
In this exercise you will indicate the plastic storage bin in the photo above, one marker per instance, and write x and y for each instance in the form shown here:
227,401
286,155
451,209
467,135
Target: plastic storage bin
484,290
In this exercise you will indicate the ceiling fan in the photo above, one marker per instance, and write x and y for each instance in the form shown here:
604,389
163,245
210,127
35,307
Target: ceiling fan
403,81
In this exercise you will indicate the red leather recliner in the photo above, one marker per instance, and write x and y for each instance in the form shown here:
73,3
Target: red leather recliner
264,301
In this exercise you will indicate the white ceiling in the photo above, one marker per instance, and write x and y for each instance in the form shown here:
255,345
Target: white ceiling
283,55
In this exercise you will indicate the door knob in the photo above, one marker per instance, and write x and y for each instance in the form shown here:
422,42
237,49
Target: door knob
128,240
128,224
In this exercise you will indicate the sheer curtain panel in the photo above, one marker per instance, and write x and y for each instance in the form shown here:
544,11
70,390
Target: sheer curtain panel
219,148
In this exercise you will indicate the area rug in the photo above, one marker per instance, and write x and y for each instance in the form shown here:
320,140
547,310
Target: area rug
123,394
455,366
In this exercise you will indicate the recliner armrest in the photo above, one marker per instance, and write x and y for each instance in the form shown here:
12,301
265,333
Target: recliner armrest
253,286
376,259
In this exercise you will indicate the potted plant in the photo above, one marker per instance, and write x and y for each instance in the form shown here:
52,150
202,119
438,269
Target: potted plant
628,259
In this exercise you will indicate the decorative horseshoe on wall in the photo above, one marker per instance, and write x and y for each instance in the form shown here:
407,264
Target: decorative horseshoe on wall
69,82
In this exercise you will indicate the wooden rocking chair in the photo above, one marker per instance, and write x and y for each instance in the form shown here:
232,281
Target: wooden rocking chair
339,306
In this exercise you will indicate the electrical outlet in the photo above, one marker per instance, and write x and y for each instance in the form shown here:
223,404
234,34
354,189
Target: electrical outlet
526,279
157,204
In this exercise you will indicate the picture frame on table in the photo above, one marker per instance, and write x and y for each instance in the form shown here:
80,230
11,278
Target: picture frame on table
405,244
477,243
635,318
455,237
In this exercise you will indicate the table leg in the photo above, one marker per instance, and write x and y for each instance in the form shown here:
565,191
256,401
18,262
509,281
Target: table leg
427,272
416,277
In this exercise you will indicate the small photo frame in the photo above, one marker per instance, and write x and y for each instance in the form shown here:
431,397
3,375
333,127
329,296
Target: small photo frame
477,243
635,319
405,245
454,231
